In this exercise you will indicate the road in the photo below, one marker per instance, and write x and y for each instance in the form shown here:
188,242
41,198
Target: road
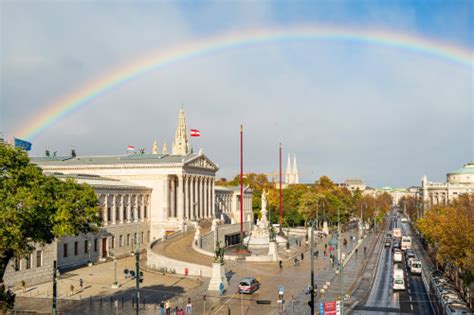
381,298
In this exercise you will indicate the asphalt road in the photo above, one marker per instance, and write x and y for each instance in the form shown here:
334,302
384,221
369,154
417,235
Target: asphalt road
382,299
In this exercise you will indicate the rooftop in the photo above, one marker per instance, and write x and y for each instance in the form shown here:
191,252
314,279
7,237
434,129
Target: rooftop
467,169
98,181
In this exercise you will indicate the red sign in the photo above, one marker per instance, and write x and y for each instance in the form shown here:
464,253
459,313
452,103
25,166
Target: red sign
330,308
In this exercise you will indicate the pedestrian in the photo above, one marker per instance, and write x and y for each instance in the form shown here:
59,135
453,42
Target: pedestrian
72,289
162,307
168,307
189,307
125,273
317,253
81,283
365,251
326,246
302,256
357,251
280,264
176,309
325,253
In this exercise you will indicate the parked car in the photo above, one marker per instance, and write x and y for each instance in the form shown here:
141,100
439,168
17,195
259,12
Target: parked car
457,309
248,285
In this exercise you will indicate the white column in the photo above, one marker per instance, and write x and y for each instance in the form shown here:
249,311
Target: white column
129,204
201,197
180,188
205,207
191,199
213,198
106,204
186,197
166,196
142,208
114,209
121,208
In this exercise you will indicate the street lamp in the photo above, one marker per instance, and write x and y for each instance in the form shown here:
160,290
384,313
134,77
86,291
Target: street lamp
89,263
115,284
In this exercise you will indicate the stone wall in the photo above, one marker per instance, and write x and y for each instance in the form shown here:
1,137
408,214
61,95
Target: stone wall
208,241
159,262
31,273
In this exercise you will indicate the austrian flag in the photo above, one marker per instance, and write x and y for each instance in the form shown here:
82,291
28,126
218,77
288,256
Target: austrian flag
195,133
131,148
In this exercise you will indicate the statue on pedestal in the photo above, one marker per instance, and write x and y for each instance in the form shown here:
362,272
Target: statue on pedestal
219,253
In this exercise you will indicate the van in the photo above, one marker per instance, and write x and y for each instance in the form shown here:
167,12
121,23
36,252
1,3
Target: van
415,267
397,256
248,285
406,242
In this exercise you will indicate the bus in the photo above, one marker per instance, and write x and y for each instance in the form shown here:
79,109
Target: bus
406,242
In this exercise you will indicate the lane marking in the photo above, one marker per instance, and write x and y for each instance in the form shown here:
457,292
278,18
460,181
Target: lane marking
411,306
411,300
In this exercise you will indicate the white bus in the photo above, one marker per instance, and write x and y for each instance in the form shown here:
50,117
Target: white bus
406,242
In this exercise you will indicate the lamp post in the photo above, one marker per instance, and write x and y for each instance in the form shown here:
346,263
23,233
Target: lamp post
115,284
89,252
312,288
137,276
341,264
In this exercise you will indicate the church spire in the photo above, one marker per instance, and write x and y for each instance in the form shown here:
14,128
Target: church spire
154,149
289,172
296,179
180,144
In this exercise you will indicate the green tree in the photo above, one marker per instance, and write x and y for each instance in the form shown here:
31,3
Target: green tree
36,208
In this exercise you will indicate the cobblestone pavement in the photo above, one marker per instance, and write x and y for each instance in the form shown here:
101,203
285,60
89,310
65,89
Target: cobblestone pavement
96,295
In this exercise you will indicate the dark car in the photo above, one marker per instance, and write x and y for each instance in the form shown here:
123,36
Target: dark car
387,242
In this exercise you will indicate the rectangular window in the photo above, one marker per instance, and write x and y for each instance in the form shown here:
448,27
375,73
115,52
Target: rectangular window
135,241
138,213
125,213
76,248
28,261
145,214
39,258
95,245
120,241
132,210
109,214
65,250
128,239
86,246
112,245
17,264
142,237
148,236
117,214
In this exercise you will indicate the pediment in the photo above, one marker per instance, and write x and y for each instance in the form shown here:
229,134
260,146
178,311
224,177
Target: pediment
202,162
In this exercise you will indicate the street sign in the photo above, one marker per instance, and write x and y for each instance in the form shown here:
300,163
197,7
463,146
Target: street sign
330,308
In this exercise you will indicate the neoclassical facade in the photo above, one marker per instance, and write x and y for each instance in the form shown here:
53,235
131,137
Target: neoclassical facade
458,182
143,197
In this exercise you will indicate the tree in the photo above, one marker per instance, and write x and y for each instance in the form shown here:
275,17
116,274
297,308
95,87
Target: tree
308,205
36,208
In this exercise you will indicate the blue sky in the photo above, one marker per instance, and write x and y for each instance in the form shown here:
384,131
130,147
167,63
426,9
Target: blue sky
345,109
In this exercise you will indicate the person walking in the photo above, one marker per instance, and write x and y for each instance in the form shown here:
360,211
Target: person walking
71,289
81,283
162,307
280,264
168,307
302,256
365,251
316,253
189,307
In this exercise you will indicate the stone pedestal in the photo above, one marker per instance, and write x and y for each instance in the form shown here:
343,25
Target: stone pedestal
273,250
325,228
218,277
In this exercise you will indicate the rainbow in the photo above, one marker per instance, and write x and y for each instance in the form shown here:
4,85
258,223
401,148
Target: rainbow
77,99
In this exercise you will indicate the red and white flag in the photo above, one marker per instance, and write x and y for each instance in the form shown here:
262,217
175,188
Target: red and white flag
131,148
195,133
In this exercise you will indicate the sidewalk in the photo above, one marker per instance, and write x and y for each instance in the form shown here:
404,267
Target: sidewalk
97,290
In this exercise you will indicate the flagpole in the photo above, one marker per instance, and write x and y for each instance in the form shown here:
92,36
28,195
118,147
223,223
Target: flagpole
241,184
281,196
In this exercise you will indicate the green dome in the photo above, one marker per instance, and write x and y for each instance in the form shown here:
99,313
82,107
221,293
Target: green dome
467,169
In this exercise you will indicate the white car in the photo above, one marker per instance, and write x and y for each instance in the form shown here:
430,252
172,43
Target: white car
398,284
397,256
